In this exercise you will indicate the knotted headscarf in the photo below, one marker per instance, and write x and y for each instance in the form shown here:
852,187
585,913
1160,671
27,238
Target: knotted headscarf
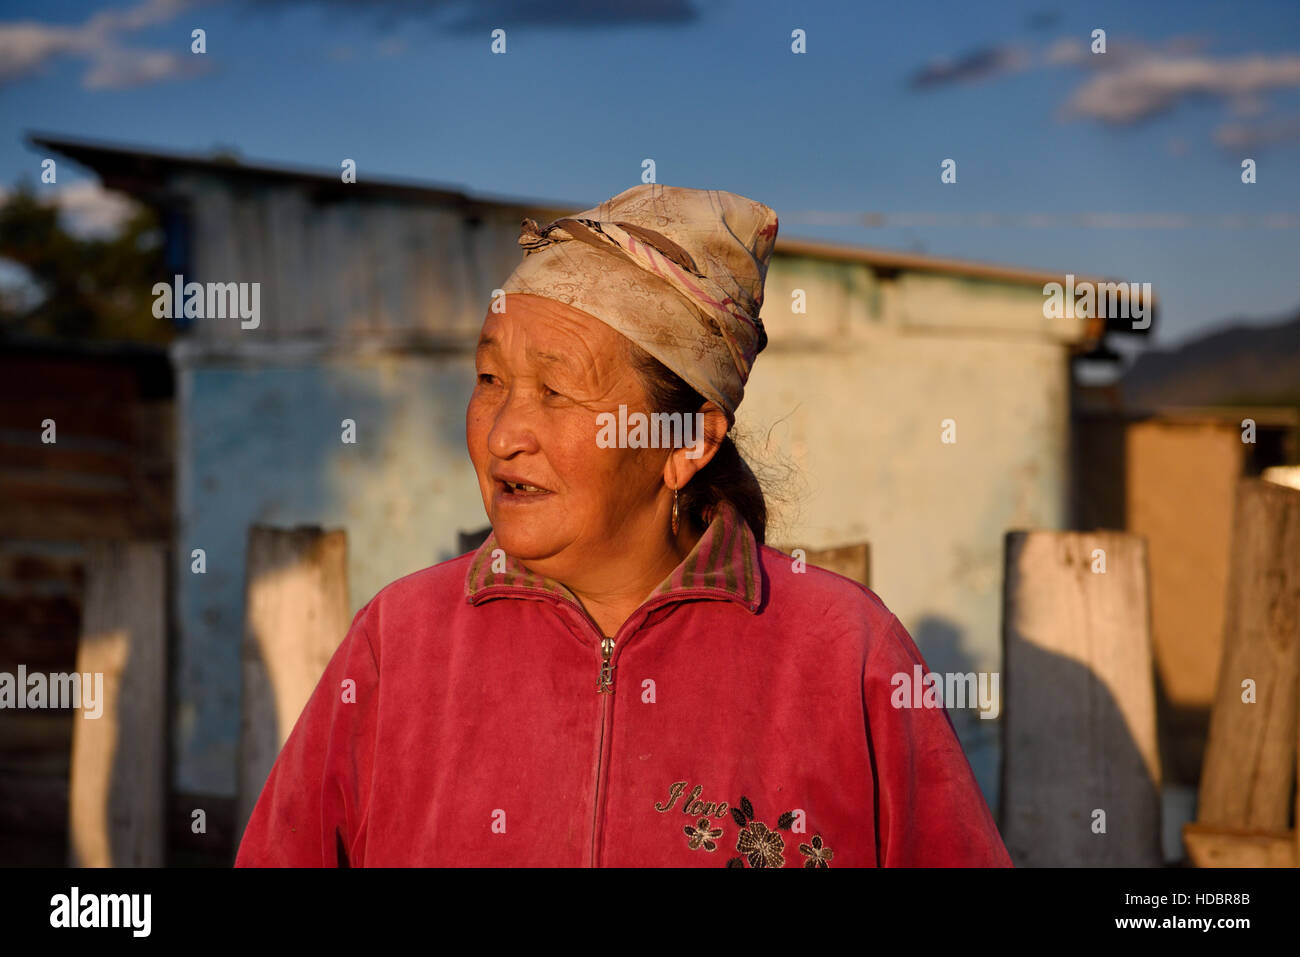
678,271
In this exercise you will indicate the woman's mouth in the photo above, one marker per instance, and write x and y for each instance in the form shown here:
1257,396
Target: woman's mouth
519,490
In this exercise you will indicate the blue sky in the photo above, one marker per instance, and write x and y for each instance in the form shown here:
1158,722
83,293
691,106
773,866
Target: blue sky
1039,125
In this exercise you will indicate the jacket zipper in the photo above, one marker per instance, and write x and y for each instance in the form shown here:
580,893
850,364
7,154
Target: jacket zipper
605,680
605,687
605,684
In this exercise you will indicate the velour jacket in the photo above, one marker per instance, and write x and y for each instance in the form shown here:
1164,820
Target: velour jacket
475,715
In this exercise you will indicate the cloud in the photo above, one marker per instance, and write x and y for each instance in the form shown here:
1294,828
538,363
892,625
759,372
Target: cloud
90,210
119,69
1250,136
26,47
979,64
1133,83
1067,51
85,207
1146,86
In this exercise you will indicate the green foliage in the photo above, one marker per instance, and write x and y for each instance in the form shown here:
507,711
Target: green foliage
85,288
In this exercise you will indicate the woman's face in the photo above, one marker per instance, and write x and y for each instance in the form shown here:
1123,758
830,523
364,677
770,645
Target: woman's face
545,371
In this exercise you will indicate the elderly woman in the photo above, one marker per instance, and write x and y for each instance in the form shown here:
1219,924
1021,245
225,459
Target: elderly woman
623,674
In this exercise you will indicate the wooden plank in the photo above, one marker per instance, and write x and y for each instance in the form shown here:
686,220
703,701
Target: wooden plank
26,614
65,456
1209,846
67,521
26,567
851,561
1079,719
35,801
119,763
23,376
1288,475
59,489
1250,758
1188,529
23,849
153,469
72,416
296,616
33,737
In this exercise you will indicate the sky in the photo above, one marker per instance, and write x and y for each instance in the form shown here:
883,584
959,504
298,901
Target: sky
1124,163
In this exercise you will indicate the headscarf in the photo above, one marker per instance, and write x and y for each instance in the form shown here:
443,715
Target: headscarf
678,271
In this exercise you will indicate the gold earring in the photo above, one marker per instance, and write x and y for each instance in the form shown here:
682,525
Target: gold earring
674,513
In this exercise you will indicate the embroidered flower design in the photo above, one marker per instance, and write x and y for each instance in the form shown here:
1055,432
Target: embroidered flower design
759,845
701,835
763,847
817,854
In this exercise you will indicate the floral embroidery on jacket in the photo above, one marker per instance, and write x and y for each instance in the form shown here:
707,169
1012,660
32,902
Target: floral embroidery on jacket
757,843
701,835
764,848
818,855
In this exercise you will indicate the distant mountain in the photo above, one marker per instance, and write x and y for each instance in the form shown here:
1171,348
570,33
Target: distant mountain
1241,365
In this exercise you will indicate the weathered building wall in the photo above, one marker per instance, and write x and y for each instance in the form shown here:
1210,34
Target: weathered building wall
263,444
369,310
384,270
854,393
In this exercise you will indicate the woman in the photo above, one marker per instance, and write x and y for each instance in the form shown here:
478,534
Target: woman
623,674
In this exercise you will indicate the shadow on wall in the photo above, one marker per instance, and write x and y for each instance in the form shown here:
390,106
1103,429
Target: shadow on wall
1069,752
265,446
940,641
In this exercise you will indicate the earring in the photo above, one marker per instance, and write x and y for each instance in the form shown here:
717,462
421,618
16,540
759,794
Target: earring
674,513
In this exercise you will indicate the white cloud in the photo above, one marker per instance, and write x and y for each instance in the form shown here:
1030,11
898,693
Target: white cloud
85,207
27,46
1066,50
1145,86
90,210
1247,136
119,69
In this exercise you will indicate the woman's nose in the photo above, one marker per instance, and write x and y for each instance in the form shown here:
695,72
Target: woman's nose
513,428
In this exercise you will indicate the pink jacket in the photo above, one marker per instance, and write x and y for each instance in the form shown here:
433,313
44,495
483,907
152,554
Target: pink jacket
741,717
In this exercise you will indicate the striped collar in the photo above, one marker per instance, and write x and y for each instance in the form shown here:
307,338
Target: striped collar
723,564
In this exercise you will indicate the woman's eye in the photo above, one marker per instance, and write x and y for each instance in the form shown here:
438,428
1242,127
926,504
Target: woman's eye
486,378
548,391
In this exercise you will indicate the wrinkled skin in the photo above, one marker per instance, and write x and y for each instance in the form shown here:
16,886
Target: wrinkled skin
544,372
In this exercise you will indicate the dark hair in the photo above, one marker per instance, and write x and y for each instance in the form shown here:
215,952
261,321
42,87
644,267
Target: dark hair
726,477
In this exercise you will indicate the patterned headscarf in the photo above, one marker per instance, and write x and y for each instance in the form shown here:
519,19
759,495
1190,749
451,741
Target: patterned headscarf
678,271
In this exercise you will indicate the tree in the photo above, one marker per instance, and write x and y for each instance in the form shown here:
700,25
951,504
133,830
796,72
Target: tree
82,287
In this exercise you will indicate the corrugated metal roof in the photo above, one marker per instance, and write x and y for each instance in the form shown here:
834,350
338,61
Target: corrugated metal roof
146,173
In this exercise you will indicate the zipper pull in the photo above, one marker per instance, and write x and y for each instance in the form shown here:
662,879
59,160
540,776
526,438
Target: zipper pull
606,684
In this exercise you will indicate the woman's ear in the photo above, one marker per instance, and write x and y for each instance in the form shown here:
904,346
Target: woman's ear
702,435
